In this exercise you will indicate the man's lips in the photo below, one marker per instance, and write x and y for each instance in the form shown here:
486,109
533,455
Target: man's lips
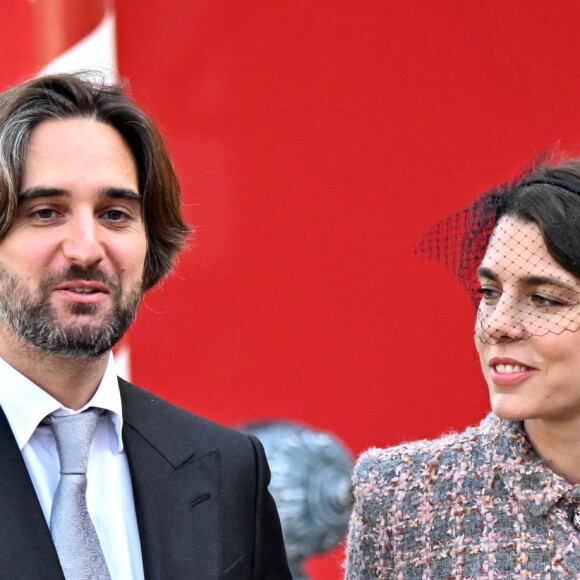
81,288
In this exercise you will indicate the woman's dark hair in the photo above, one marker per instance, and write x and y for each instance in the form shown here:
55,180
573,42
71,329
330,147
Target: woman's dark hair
550,197
546,194
68,96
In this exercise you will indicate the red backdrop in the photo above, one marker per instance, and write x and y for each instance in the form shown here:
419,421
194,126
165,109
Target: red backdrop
316,141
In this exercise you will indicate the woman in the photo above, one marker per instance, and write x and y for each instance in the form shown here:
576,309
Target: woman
500,500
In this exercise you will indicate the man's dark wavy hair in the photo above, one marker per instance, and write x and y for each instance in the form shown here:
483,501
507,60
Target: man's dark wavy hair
82,95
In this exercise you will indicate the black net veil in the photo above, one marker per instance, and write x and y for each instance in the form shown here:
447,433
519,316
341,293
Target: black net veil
528,231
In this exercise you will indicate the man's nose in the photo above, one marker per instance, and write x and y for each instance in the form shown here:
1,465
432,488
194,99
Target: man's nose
83,245
503,322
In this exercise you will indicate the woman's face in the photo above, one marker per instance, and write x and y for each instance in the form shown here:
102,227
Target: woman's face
527,328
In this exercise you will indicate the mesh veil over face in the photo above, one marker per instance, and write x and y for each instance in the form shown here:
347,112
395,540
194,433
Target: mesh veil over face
523,239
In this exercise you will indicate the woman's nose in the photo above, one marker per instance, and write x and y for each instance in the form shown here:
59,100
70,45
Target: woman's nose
504,321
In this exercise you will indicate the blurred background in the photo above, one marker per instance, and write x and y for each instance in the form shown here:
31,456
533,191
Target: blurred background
316,141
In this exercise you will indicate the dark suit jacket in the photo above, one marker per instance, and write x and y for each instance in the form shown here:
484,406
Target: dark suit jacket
201,498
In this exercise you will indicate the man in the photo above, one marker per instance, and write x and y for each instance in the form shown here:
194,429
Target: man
90,219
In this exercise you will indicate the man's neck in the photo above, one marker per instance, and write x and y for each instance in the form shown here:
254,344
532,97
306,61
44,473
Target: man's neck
72,382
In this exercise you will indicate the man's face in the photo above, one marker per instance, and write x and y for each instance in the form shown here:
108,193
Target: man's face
71,265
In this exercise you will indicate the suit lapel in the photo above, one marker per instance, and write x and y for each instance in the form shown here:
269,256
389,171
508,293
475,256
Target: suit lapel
177,491
26,548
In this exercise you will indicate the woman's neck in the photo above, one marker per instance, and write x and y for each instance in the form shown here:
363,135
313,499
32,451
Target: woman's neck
558,443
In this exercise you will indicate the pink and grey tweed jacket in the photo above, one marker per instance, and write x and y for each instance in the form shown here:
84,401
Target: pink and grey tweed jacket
480,504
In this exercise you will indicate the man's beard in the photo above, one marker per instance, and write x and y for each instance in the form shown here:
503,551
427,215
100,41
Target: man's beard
33,318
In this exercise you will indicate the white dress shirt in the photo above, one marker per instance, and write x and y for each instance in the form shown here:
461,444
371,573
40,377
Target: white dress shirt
109,491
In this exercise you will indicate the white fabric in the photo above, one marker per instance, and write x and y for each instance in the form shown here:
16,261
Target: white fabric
96,51
109,491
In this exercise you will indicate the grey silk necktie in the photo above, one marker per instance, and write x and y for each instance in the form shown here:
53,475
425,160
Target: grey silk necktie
72,529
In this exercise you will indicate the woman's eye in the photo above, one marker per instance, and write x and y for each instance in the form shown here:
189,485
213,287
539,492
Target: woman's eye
540,300
488,294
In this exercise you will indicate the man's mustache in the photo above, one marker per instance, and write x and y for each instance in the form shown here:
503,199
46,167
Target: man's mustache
75,272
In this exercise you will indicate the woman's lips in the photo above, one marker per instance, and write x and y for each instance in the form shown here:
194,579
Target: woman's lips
505,372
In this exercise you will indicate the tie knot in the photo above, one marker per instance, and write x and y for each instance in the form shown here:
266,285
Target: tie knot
73,435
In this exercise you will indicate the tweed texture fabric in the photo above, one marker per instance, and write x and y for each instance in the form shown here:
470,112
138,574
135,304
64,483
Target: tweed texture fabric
480,504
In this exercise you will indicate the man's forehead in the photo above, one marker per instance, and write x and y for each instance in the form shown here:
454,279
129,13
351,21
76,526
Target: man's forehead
72,153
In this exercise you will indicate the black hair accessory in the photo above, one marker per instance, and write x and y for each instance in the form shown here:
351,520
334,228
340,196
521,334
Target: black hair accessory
539,196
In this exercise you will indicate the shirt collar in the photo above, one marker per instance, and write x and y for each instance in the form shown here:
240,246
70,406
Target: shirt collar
25,404
524,473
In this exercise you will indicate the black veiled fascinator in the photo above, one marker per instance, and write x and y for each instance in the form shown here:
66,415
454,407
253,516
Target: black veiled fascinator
546,194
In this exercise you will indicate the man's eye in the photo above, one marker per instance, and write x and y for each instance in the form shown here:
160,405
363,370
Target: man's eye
115,215
44,214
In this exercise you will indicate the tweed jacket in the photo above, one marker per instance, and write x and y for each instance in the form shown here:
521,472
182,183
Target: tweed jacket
480,504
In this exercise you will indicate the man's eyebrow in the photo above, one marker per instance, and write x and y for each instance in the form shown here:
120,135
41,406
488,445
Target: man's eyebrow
121,193
114,192
36,192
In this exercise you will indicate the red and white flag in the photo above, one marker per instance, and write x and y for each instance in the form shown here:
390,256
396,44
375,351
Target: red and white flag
71,35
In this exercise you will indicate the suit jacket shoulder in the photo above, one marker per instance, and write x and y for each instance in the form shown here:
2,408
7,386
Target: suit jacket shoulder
173,430
201,496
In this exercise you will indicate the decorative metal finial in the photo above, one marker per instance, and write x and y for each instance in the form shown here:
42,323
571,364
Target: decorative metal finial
311,483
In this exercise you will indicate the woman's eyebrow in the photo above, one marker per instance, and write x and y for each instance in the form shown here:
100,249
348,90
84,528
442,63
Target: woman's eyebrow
531,280
485,272
546,281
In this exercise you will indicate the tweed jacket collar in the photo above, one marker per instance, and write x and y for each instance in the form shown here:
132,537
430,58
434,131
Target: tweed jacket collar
523,472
